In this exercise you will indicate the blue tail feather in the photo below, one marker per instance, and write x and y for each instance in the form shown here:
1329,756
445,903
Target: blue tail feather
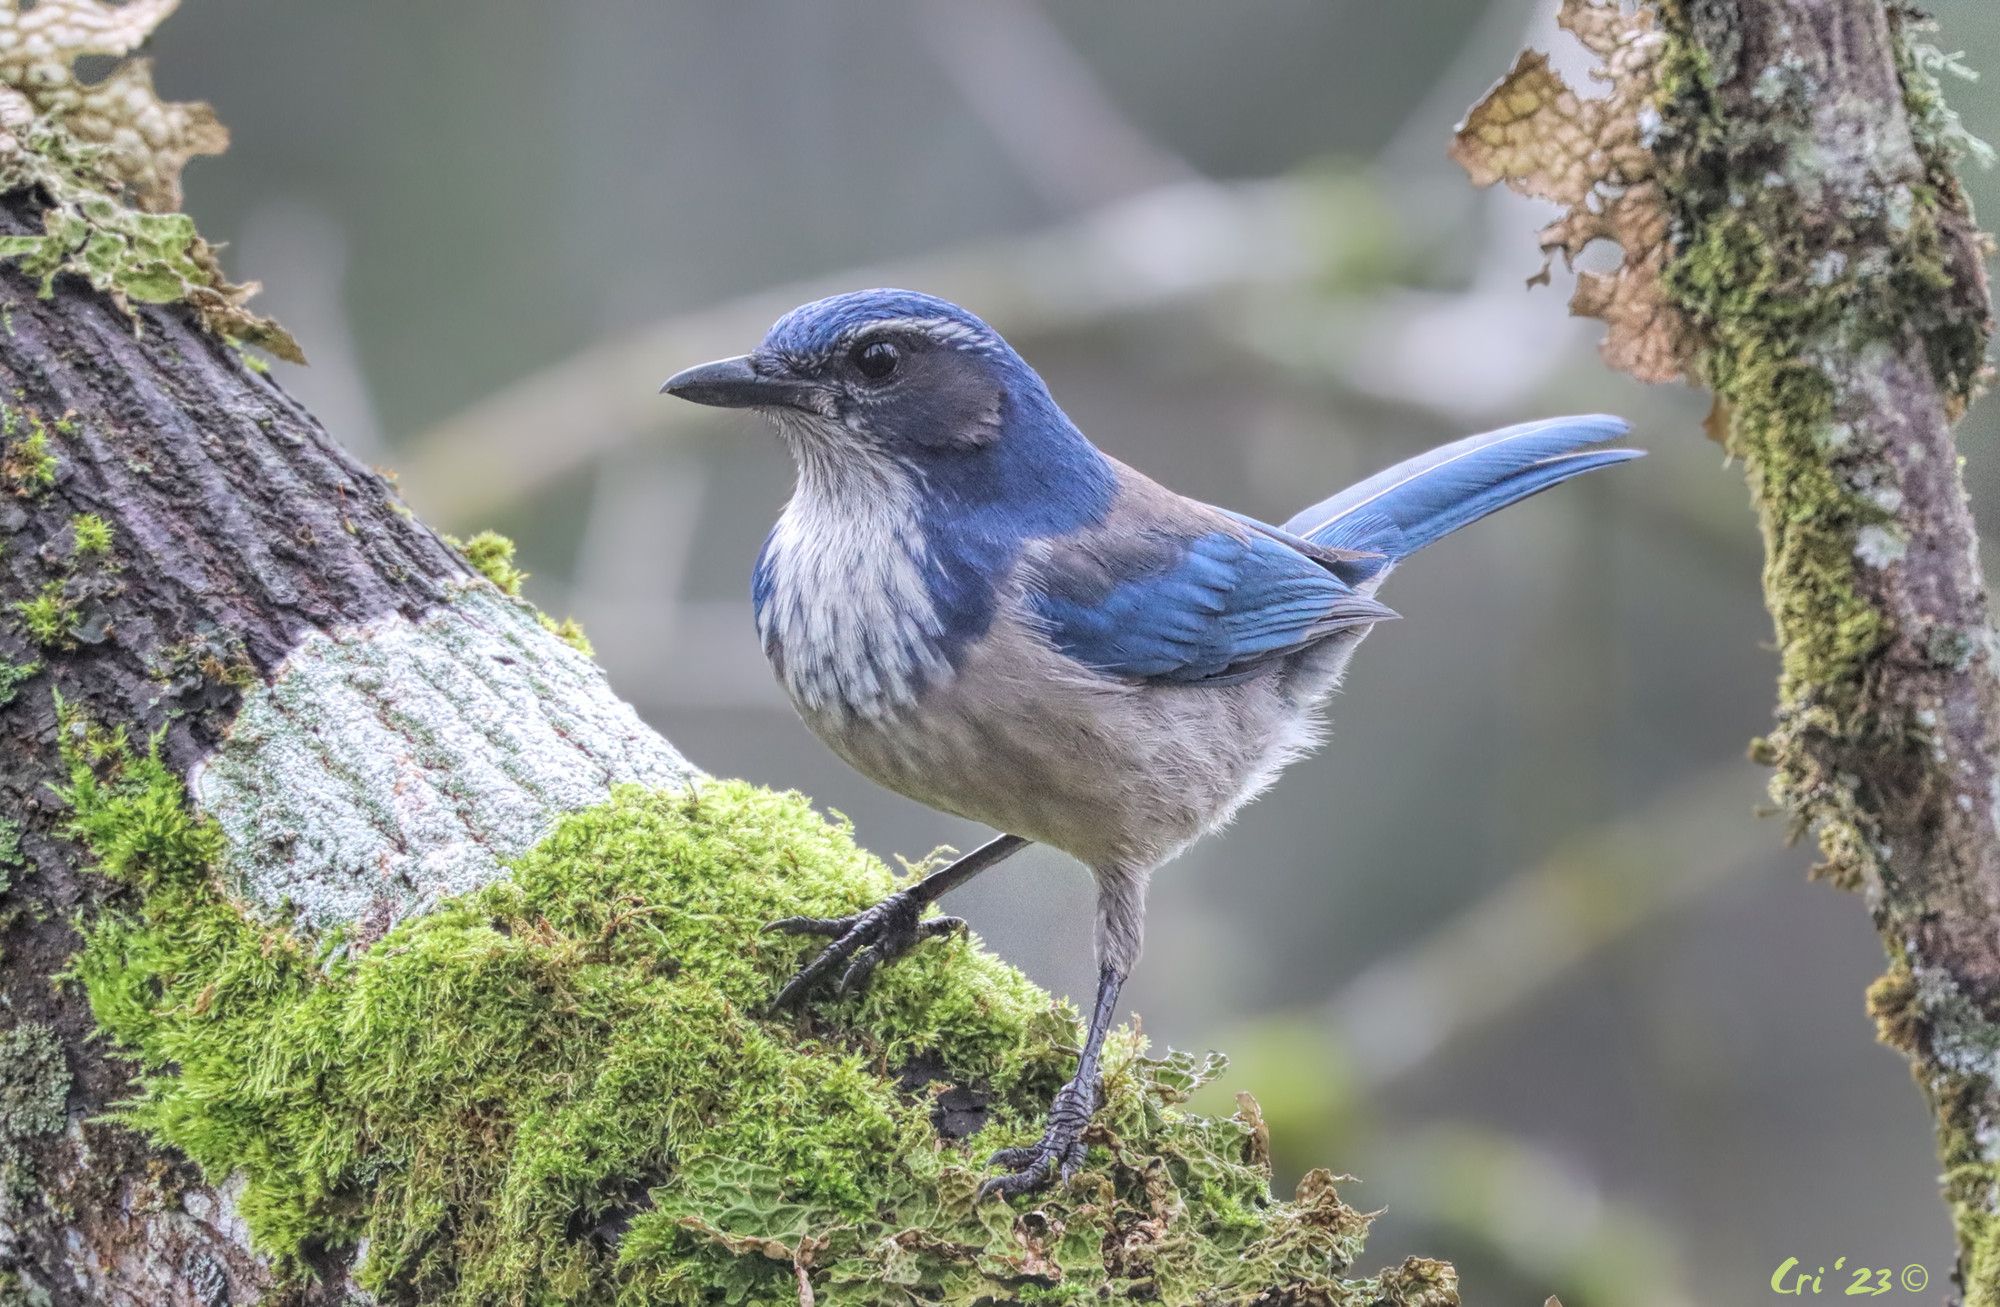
1398,511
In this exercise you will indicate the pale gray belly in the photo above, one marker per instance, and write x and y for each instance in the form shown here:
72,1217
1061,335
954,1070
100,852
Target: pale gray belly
1119,776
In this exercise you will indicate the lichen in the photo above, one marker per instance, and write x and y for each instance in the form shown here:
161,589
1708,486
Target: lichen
107,156
558,1089
13,676
383,766
1925,66
34,1089
1592,155
1923,1014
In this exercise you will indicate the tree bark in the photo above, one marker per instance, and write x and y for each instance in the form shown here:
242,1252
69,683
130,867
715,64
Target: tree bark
240,532
1801,156
239,528
1781,175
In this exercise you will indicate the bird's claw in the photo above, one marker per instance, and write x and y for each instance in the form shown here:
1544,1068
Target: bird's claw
1058,1154
862,943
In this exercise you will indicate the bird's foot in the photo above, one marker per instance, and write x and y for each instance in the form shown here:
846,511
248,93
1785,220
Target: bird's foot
1059,1153
861,943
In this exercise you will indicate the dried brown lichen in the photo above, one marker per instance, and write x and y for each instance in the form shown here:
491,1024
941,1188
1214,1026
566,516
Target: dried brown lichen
1534,132
109,155
146,140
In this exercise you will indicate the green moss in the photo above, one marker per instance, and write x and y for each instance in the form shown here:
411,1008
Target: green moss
558,1090
34,1091
27,463
1758,318
570,632
1799,299
11,859
1956,1051
492,556
91,535
50,618
1774,293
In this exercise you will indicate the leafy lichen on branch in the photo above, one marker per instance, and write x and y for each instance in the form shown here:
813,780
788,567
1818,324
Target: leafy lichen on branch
1594,156
557,1088
107,157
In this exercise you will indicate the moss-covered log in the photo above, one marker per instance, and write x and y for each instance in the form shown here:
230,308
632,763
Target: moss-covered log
1781,175
358,943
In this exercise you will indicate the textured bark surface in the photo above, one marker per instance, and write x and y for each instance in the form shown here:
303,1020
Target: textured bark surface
1827,257
1781,176
238,526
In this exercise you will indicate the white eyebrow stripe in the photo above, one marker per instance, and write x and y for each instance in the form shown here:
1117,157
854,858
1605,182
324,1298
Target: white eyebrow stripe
1500,438
943,329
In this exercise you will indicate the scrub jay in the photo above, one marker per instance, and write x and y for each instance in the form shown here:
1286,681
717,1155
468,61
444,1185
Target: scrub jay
976,607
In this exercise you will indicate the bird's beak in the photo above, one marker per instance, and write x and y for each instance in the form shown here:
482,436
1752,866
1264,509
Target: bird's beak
735,383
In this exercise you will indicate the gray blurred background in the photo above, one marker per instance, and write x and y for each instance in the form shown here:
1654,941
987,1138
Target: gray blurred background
1516,948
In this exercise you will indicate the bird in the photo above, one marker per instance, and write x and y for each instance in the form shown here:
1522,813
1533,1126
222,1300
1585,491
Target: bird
974,606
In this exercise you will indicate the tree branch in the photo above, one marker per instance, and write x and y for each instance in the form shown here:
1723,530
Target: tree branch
1780,173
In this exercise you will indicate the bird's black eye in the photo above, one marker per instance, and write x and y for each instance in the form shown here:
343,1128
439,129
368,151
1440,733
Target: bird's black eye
876,360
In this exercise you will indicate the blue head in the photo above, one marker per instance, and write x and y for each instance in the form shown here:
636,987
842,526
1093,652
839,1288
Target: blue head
875,377
929,454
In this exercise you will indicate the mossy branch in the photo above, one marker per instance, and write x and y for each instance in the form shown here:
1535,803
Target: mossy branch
1796,239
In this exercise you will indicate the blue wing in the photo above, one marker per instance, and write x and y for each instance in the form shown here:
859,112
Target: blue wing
1183,605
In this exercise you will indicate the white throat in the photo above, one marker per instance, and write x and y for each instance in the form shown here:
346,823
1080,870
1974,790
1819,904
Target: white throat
847,621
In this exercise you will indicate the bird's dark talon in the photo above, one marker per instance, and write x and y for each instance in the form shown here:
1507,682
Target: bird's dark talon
859,970
1034,1176
811,925
1059,1154
862,944
1014,1159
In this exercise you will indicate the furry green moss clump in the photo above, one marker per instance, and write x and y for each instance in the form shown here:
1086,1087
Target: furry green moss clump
559,1089
27,462
492,556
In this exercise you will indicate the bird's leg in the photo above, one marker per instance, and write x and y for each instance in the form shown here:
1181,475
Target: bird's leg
1060,1150
1121,910
883,933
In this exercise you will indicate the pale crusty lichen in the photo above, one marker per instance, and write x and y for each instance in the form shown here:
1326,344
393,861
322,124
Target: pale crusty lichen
34,1088
108,154
381,768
